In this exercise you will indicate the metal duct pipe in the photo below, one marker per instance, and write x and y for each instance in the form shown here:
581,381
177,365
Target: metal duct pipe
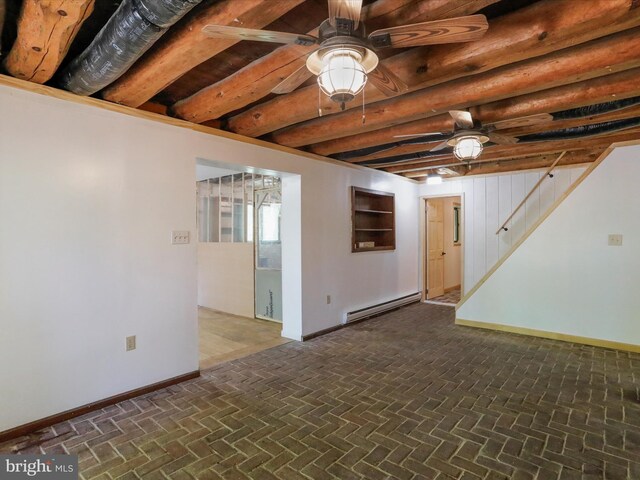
134,27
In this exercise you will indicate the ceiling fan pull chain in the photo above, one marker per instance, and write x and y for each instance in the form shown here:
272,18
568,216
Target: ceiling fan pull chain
364,119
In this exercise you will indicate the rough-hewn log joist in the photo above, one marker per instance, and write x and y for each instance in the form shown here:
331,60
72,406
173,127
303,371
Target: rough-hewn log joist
539,29
185,47
46,29
596,58
256,80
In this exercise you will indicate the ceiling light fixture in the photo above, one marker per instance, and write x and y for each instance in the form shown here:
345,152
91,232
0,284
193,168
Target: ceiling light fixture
342,70
468,147
342,76
434,179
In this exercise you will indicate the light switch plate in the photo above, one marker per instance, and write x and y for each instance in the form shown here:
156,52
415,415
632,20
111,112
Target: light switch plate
615,239
180,237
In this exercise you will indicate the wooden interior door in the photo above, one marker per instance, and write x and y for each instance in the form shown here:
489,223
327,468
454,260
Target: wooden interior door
435,248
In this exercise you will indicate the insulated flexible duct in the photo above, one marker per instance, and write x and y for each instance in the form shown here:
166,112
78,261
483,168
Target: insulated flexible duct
582,131
133,28
597,109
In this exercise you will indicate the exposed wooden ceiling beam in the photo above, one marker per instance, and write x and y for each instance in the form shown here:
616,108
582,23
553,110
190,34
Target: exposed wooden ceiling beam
185,47
46,29
596,58
536,30
576,157
509,152
256,80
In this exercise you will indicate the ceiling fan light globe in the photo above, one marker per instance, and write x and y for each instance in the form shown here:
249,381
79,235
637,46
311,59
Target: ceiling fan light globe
342,76
467,148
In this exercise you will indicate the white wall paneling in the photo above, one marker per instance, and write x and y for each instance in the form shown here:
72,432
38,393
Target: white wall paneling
565,278
488,201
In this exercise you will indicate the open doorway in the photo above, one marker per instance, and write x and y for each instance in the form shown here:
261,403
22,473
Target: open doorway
239,263
443,251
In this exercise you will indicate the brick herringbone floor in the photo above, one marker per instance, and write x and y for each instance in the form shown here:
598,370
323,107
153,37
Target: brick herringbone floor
404,396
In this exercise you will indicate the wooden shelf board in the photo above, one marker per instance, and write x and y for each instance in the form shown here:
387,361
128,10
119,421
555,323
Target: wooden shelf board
363,210
372,249
374,229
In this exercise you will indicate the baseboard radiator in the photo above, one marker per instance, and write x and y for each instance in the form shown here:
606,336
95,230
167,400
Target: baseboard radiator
381,308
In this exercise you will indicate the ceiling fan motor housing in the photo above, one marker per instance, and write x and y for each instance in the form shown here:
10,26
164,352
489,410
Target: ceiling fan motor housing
342,28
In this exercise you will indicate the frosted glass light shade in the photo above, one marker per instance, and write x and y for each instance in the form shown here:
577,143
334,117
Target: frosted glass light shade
434,179
467,148
342,76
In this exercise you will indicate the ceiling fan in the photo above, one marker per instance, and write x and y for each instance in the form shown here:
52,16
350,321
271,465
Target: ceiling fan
468,137
345,57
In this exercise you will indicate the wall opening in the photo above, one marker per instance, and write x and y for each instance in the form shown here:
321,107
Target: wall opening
443,249
240,264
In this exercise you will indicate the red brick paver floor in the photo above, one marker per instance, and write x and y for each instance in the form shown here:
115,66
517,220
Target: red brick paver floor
407,395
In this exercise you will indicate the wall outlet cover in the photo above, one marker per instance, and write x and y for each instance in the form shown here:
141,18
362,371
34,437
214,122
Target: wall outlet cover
615,239
180,237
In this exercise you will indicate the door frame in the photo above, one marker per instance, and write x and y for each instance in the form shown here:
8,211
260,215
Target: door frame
256,230
424,237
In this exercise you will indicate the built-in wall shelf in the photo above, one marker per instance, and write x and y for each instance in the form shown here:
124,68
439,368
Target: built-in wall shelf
372,220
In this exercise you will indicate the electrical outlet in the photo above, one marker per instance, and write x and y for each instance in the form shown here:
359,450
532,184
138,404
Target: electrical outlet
131,343
615,239
180,237
328,299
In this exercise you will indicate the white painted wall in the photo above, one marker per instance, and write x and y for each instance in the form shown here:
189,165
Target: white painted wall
488,201
565,278
225,277
453,257
88,198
